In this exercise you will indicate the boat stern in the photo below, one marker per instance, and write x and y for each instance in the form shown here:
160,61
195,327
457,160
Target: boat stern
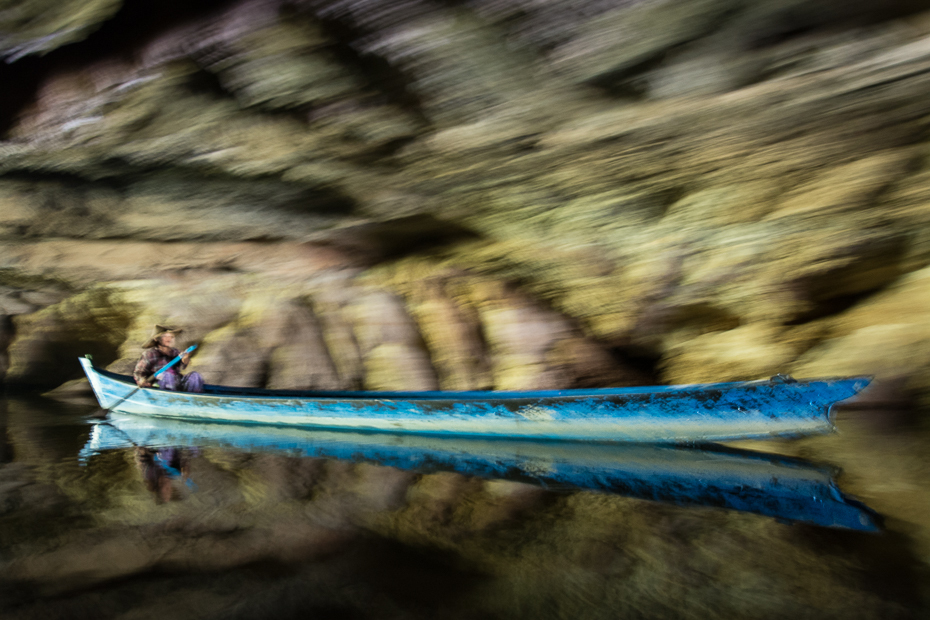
840,391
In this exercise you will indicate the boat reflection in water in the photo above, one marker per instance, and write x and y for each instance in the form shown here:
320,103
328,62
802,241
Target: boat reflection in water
784,488
161,466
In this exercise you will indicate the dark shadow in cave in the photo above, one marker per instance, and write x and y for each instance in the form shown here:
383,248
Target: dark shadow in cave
58,363
892,571
875,269
830,307
64,179
777,24
20,81
639,360
415,234
133,26
66,193
388,80
757,28
629,82
203,82
375,242
6,445
363,577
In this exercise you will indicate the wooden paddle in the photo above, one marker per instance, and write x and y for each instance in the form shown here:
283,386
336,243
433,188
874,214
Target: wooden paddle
153,377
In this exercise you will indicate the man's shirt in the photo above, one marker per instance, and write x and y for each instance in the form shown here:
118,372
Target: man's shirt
154,360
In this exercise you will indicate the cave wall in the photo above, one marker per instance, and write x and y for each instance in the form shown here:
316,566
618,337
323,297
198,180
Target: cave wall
471,194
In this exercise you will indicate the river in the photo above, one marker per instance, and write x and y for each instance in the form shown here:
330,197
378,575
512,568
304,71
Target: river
243,526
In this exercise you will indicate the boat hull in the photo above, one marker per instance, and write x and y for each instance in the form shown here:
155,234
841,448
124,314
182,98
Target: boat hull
689,413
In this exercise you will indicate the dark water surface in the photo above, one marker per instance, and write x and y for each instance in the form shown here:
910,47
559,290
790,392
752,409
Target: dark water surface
223,531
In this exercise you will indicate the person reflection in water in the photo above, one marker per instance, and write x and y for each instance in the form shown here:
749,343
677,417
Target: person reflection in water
158,351
160,468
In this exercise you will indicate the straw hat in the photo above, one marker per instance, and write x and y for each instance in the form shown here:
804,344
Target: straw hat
159,330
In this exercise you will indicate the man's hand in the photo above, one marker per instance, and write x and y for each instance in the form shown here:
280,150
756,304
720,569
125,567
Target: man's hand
186,358
144,383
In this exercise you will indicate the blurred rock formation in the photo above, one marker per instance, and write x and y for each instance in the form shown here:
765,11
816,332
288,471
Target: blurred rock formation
479,194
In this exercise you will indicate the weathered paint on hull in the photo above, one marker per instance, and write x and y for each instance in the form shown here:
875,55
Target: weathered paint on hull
688,413
770,485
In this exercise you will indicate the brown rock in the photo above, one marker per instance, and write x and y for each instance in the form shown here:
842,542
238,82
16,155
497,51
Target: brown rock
394,353
849,187
887,336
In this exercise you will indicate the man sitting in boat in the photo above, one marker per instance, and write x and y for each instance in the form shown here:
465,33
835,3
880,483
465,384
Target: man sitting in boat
159,351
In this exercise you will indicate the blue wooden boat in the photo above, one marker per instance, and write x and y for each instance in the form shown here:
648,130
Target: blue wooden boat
686,413
784,488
